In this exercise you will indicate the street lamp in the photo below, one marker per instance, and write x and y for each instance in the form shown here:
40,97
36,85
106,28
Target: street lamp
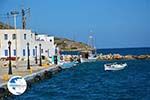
10,68
40,55
36,54
28,61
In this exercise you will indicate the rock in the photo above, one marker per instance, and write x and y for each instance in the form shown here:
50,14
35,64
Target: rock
148,56
128,57
142,57
117,56
37,78
109,57
105,57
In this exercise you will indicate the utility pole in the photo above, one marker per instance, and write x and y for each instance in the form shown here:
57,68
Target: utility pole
24,12
23,19
14,14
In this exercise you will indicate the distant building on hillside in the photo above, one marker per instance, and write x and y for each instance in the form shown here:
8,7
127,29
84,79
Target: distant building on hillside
19,39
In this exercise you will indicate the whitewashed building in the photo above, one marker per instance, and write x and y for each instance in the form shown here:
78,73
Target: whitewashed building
19,39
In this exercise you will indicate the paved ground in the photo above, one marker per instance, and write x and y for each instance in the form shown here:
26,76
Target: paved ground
20,70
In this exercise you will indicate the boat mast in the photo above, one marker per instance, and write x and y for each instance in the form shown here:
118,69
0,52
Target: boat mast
91,41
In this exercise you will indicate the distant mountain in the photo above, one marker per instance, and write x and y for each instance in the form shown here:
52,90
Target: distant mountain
63,43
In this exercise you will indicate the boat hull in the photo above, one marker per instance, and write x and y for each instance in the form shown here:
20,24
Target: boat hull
68,65
114,67
83,60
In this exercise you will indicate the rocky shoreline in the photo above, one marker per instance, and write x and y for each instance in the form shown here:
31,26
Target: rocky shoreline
123,57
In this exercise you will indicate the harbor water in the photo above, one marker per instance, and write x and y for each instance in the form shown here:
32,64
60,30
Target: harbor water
89,81
121,51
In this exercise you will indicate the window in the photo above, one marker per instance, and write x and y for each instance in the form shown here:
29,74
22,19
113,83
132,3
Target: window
5,36
14,52
14,36
24,52
50,40
25,36
33,52
6,52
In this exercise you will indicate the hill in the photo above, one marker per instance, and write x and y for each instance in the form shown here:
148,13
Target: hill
5,26
70,45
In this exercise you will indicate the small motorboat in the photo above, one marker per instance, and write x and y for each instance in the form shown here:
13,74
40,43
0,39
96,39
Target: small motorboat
114,66
68,64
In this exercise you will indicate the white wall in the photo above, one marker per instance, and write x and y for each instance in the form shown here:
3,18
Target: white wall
34,40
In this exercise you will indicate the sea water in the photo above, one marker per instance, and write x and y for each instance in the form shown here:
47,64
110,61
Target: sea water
89,81
122,51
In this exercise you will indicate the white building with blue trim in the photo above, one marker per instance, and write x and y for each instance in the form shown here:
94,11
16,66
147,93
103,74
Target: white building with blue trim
19,39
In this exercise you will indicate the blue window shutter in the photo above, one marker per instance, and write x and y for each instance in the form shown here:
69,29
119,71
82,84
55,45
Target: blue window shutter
24,52
5,36
14,52
25,36
33,52
6,52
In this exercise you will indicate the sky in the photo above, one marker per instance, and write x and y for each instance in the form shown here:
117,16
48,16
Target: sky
113,23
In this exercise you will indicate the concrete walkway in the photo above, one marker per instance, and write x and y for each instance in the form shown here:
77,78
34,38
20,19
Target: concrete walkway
20,70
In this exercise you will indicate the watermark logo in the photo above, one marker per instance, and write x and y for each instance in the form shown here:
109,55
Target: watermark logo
17,85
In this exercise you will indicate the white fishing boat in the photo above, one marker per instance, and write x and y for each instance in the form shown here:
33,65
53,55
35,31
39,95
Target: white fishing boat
90,59
89,56
83,60
114,66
